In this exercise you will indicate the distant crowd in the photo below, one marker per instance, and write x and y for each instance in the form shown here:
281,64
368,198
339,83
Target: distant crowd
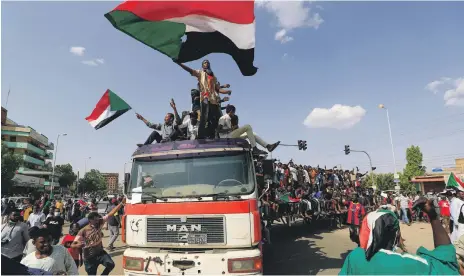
33,242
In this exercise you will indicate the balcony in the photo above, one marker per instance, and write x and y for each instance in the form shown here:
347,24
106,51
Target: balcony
50,146
49,155
33,160
24,145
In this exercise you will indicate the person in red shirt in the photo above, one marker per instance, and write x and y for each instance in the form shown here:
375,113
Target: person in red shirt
356,213
76,253
445,212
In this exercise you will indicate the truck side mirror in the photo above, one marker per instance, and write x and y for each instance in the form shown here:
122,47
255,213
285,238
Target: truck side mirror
126,181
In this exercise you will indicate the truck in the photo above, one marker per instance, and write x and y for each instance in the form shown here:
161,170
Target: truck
192,209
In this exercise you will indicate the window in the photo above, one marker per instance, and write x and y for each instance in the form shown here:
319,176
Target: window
12,138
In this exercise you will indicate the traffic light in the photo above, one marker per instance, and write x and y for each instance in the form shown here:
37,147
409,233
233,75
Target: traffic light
347,149
302,145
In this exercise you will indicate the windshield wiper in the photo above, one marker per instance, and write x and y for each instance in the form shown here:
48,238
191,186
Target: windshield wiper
217,196
153,196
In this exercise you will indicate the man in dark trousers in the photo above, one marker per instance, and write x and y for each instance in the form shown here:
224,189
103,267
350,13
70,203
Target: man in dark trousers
113,224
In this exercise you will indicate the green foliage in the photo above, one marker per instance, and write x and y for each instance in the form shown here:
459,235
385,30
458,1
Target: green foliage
93,181
10,164
412,169
67,177
383,181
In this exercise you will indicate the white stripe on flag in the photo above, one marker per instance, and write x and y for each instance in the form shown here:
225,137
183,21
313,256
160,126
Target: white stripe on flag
105,114
242,35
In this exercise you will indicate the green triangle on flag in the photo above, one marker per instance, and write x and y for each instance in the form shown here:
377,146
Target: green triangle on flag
117,103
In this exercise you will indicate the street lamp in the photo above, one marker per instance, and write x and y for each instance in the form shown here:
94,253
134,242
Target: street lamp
85,168
381,106
54,162
85,165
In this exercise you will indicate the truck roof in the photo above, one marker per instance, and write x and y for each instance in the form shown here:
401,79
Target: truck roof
180,147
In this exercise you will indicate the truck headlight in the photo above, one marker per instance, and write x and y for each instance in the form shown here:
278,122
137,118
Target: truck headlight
245,265
131,263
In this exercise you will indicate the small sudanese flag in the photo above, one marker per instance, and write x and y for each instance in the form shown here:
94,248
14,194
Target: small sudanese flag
209,26
453,181
110,107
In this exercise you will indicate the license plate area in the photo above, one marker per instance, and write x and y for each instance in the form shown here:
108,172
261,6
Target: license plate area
183,264
197,239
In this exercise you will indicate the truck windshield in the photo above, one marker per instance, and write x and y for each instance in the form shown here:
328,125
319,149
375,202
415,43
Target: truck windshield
195,177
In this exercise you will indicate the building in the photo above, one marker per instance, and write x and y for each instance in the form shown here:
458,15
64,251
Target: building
436,180
35,150
112,181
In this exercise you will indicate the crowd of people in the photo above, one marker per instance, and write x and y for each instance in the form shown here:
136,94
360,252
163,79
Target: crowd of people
205,120
33,242
374,218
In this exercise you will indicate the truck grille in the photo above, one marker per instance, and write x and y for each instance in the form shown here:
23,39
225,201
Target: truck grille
157,229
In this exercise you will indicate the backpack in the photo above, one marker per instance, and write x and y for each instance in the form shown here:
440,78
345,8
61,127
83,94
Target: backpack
461,217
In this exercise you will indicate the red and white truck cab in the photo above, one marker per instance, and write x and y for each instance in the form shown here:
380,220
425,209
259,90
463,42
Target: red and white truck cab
193,210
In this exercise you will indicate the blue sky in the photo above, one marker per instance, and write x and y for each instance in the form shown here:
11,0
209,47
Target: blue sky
352,54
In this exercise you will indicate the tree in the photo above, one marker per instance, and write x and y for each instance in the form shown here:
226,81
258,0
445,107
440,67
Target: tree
10,164
93,181
383,181
412,169
67,177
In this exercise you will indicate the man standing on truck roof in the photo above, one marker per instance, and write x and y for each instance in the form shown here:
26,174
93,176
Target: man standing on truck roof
226,130
209,98
169,130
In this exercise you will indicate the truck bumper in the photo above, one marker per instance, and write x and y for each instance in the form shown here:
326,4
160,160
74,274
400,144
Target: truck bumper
201,263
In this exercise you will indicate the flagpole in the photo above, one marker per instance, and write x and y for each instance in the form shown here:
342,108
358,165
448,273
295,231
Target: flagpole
8,96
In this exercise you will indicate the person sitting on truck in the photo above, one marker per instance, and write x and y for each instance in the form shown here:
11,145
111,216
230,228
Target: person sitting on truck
169,130
191,123
227,130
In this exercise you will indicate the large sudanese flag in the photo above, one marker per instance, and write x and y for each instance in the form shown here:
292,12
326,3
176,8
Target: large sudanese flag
453,181
108,108
209,26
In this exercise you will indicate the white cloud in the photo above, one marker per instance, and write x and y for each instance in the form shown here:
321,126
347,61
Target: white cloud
77,50
435,85
338,117
100,60
282,36
453,90
90,62
455,97
291,15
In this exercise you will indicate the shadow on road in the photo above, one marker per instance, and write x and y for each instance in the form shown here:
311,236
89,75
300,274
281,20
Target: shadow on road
292,251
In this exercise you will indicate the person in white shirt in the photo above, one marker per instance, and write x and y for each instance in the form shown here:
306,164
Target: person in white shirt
229,130
294,172
37,218
52,258
455,210
306,176
191,123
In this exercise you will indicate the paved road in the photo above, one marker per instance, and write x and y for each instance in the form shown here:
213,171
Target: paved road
306,249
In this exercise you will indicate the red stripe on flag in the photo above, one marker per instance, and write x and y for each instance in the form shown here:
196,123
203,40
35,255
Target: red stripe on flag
239,12
458,180
101,106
